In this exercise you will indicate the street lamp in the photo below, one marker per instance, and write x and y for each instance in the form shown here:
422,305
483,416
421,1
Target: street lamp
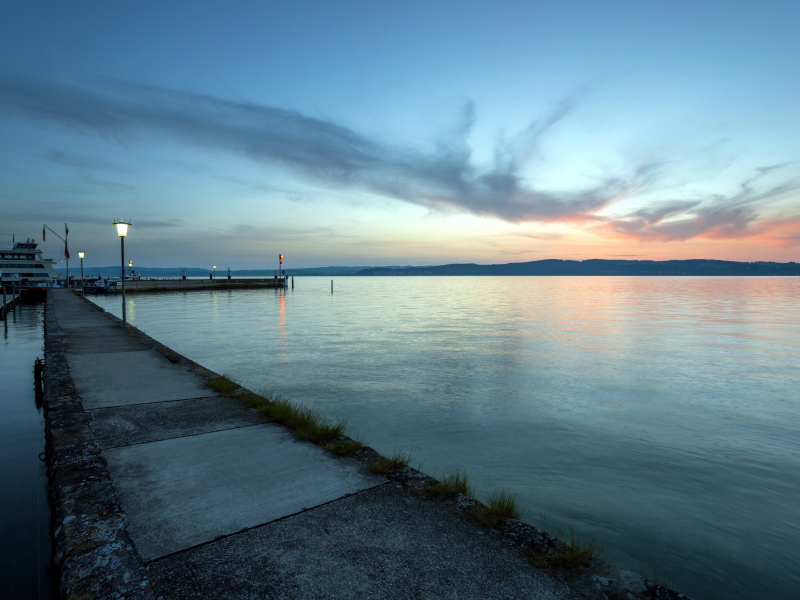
215,272
122,231
130,266
83,284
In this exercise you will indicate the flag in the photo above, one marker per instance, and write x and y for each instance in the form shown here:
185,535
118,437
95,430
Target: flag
66,250
44,237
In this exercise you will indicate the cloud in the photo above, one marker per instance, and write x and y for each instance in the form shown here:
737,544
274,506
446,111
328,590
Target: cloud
738,215
79,161
442,179
537,236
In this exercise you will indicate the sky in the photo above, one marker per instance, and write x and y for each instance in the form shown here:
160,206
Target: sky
401,133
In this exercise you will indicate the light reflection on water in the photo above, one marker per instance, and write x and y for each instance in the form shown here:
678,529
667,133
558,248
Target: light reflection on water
658,415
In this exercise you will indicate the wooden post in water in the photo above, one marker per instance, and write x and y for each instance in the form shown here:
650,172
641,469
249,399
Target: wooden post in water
292,281
331,286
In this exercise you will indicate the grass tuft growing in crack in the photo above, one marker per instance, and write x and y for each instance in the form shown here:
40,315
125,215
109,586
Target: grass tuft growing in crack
389,463
659,579
499,505
577,555
306,423
655,576
343,447
454,483
223,384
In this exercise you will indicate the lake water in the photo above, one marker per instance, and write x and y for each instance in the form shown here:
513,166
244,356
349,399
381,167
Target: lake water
659,416
25,543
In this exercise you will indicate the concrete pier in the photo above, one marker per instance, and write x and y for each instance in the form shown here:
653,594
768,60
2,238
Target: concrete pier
163,489
177,285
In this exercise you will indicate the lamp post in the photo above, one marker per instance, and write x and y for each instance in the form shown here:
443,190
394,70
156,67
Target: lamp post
215,273
122,231
130,268
83,284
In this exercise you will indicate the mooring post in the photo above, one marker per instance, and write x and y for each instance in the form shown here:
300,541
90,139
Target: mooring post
292,281
331,286
38,367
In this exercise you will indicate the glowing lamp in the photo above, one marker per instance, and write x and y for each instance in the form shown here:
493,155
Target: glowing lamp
122,228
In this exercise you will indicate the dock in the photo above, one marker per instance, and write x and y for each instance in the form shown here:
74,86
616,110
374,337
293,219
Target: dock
9,301
162,488
133,286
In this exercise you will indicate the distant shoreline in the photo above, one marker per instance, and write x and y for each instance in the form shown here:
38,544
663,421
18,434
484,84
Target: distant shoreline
550,267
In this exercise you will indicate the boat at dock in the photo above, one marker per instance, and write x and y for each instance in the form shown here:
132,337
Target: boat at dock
25,270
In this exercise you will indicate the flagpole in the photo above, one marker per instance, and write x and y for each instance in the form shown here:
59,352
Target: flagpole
66,250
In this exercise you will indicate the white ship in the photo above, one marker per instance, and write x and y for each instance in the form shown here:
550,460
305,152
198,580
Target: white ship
26,268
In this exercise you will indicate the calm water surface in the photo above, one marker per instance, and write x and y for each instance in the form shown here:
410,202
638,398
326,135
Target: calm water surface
660,416
25,546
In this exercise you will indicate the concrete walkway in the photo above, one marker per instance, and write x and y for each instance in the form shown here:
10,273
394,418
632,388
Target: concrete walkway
221,504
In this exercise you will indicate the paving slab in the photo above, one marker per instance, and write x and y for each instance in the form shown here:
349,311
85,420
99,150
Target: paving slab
126,425
92,340
123,378
385,543
182,492
73,312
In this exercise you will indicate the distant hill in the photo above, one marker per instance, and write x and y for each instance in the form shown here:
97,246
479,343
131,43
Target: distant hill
537,267
598,267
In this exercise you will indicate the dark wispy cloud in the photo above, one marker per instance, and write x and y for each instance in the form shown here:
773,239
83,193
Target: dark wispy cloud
442,178
79,161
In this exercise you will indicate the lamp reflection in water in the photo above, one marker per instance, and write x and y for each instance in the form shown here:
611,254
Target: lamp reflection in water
122,232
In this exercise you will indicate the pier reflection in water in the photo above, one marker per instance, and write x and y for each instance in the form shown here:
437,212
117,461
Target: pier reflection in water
25,546
658,415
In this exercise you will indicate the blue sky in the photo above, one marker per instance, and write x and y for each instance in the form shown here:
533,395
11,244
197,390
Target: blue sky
402,133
